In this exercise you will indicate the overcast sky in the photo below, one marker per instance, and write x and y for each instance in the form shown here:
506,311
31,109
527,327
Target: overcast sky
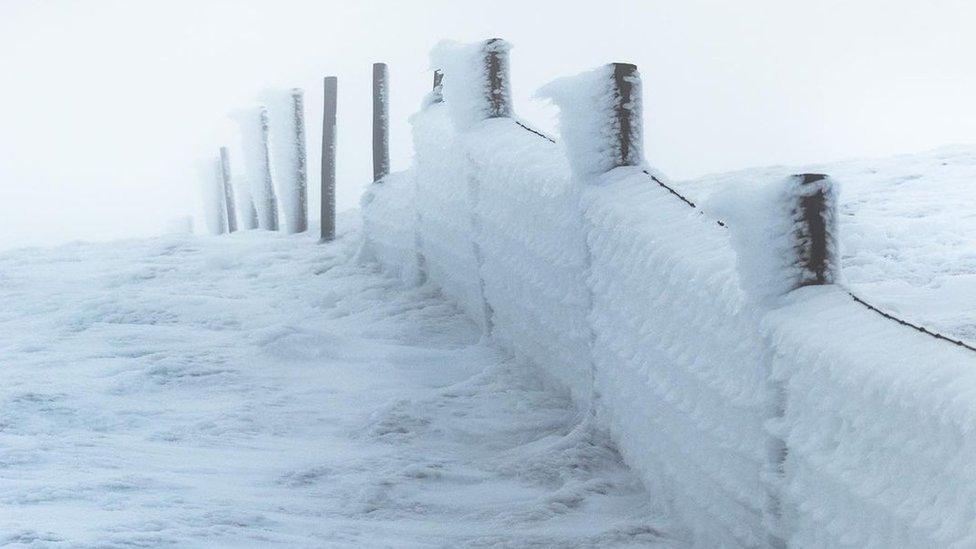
107,104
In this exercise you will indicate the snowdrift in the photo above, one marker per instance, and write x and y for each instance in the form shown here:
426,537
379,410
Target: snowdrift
762,419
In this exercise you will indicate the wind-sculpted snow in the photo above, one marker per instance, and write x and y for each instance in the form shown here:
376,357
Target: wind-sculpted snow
680,366
263,390
761,416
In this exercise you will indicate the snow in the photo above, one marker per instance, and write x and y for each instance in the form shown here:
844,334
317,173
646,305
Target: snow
258,389
587,120
758,415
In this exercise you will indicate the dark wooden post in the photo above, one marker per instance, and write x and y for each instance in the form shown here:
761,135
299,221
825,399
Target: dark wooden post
300,224
437,92
381,123
815,218
270,214
228,190
327,208
498,88
627,121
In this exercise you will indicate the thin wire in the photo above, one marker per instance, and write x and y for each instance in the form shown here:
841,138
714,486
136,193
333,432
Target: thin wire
537,132
856,299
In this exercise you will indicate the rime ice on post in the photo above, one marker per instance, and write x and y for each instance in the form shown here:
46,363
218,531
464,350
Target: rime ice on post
228,190
381,121
287,141
600,118
498,88
213,196
327,205
300,223
814,217
253,125
476,83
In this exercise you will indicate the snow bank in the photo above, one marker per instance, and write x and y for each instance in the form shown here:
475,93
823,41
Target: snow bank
763,415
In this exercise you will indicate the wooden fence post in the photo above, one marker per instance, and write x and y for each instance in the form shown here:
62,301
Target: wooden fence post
498,87
300,224
270,213
381,122
437,92
815,216
214,201
627,121
327,208
228,190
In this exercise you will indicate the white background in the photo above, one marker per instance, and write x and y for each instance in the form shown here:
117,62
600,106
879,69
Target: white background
107,105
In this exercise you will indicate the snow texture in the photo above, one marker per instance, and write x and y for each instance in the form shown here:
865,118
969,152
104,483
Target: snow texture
263,390
588,123
761,416
466,83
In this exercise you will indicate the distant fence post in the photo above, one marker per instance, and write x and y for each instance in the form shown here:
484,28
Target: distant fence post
627,124
498,87
270,214
437,91
381,121
327,205
300,224
228,190
214,201
814,216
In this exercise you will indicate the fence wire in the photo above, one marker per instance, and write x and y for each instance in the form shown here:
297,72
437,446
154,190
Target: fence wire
857,299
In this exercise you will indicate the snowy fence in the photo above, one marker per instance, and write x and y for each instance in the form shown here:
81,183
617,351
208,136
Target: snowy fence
733,370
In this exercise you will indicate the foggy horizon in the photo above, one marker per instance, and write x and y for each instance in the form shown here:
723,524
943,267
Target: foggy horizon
110,104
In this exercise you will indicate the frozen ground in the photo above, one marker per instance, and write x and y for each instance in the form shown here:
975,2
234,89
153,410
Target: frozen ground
261,390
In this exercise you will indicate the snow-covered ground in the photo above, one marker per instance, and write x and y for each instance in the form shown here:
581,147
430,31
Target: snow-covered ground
261,390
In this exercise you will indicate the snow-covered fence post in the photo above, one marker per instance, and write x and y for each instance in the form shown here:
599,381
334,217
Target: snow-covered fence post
228,190
814,217
249,217
437,91
499,88
300,223
269,215
213,196
327,205
381,121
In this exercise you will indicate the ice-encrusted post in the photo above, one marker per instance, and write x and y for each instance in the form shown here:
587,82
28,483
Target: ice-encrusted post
228,190
327,205
437,91
814,217
249,217
498,87
627,120
381,121
269,213
300,223
600,119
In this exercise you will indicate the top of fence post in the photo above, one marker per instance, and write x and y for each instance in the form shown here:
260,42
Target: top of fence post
814,216
498,86
627,122
627,114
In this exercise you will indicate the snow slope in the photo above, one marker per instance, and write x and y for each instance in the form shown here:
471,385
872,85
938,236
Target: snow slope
260,390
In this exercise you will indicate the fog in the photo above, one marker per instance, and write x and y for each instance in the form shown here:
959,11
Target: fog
108,105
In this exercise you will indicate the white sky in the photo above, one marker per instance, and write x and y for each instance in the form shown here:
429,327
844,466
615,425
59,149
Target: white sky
107,104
